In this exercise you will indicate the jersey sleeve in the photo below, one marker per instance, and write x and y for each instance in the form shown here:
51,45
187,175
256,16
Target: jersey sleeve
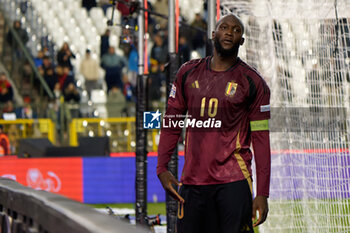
262,155
169,136
260,106
258,117
177,93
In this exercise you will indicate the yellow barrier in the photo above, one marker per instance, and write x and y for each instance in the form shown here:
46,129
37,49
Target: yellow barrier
121,132
25,128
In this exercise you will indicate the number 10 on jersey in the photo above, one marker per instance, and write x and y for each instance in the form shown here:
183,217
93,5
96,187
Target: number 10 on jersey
212,107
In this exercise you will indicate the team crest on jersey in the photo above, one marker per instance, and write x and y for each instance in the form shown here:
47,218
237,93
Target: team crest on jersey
172,91
231,88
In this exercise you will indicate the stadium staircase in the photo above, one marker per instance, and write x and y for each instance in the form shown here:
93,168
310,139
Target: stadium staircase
6,60
22,73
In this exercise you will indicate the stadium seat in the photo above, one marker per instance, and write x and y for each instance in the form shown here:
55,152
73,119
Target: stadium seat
96,14
101,26
81,15
98,96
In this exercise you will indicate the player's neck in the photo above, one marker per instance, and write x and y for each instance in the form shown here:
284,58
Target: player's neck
219,63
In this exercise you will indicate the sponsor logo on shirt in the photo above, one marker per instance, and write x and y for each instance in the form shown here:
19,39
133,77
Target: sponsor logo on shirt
195,84
151,120
265,108
172,91
230,89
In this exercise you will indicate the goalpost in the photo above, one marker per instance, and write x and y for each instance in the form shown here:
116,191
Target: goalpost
302,49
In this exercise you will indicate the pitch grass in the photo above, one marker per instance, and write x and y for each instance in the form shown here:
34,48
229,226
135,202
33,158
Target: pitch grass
152,208
314,215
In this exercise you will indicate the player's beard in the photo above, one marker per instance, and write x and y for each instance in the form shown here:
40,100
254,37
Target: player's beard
225,53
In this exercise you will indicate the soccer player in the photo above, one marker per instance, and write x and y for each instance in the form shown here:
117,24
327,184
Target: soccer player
216,182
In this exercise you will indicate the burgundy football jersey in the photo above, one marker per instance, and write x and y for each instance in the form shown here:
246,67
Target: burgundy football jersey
228,101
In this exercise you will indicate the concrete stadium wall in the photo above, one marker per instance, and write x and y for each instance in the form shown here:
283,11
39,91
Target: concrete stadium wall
24,209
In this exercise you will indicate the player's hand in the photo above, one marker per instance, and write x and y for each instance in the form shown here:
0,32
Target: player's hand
260,205
167,179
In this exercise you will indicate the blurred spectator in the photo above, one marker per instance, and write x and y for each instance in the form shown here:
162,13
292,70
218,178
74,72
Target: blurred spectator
48,72
6,91
26,71
57,91
184,50
71,102
38,60
22,35
116,102
26,112
4,142
59,113
64,77
133,65
8,111
104,43
47,64
88,4
46,51
51,78
71,94
128,89
159,53
53,113
113,65
89,69
128,92
198,36
64,56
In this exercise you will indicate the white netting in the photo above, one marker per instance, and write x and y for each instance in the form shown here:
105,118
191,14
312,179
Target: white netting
302,49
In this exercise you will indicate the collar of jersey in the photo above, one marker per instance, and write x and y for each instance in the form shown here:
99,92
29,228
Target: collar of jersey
232,67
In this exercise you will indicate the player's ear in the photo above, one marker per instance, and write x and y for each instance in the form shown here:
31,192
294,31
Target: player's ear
242,41
212,34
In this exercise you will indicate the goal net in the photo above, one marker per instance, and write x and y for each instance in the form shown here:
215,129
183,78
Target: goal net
302,49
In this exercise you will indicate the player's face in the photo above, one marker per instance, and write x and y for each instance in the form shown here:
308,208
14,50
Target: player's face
228,36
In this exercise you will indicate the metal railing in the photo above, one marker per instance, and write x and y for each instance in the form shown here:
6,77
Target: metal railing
23,209
29,58
120,130
28,128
